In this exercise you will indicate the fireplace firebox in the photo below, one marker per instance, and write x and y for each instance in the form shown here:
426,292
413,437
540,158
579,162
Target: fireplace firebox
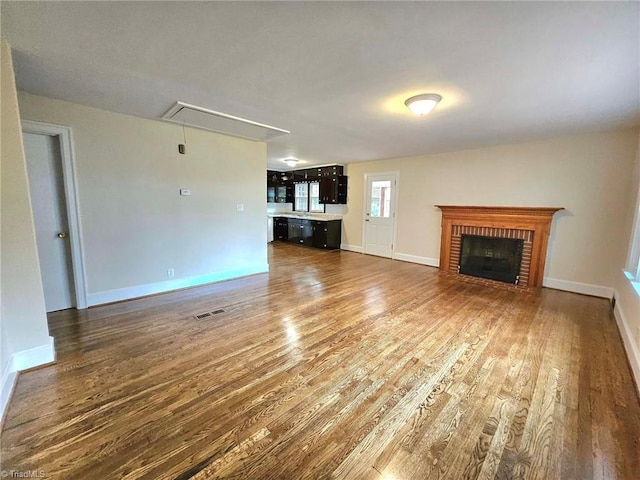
494,258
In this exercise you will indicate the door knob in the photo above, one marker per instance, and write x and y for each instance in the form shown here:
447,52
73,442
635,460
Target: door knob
62,235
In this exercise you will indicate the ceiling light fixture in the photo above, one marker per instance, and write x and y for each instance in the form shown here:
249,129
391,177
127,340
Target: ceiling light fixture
292,162
423,104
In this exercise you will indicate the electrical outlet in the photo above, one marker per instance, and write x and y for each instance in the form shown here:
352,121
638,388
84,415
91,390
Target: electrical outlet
185,192
171,272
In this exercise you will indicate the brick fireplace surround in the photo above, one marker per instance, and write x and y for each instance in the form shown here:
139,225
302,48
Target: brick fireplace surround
530,224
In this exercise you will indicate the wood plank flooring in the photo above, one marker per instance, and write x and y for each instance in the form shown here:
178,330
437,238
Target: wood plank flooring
334,365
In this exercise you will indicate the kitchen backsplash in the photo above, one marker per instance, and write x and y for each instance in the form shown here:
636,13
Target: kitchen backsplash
336,209
288,207
279,207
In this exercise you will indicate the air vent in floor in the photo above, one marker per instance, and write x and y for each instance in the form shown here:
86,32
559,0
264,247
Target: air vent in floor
209,314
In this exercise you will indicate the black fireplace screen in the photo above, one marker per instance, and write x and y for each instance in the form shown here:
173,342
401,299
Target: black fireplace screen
491,257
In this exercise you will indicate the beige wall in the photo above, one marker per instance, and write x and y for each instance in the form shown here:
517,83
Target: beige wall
23,319
586,174
135,225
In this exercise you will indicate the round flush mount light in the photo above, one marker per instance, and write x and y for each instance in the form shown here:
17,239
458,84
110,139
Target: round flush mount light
292,162
423,104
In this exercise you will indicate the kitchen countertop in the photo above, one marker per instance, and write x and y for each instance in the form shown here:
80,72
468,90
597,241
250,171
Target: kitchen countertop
323,217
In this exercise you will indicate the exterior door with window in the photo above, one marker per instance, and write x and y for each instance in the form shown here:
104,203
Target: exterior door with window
379,221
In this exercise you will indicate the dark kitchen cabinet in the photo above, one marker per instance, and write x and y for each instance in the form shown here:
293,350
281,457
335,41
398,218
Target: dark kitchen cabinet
301,175
295,230
272,178
333,189
300,231
333,184
312,233
281,228
279,187
280,194
331,171
327,234
284,193
307,233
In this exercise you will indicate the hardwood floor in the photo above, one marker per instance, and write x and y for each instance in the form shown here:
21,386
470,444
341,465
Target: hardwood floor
334,365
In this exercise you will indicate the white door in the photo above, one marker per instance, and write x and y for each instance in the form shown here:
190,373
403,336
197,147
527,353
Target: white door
44,167
379,220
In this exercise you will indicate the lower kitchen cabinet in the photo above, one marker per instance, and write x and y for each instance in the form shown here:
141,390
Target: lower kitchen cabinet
300,231
312,233
295,232
281,229
327,234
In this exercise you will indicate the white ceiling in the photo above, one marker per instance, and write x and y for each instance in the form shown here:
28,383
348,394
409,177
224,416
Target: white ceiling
336,74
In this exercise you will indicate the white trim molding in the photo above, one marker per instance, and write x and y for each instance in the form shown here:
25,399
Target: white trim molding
555,283
128,293
19,361
70,182
577,287
405,257
351,248
9,378
34,357
633,353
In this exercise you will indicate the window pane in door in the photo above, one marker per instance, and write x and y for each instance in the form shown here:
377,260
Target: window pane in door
380,198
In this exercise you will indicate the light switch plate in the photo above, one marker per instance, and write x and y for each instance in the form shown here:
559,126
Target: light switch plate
185,192
240,207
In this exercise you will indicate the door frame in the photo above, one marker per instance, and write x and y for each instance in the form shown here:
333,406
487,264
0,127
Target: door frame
396,174
65,141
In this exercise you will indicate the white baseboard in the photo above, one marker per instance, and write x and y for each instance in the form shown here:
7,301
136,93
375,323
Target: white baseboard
21,361
128,293
34,356
577,287
8,382
351,248
405,257
633,353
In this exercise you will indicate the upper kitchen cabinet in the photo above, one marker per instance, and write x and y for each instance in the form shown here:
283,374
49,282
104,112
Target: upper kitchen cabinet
333,190
306,174
330,171
279,187
333,184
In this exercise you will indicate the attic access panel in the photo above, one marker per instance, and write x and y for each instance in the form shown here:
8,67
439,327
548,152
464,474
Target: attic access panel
205,119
